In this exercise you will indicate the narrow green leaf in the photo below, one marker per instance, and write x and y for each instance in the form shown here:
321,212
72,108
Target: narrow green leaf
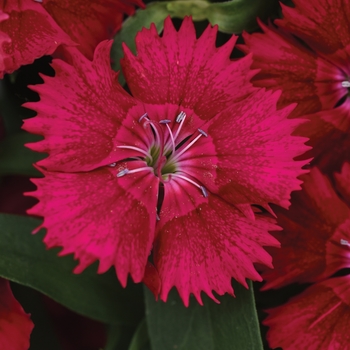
25,260
154,13
140,340
15,158
233,324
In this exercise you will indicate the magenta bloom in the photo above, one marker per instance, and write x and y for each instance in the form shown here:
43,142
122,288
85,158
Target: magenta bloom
37,28
172,169
15,324
315,73
315,244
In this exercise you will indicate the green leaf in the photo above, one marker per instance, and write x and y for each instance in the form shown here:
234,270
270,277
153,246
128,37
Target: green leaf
140,340
154,13
15,158
235,16
25,260
233,324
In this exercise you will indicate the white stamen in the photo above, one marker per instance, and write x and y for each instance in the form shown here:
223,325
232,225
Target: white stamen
179,119
138,150
172,139
158,218
181,116
127,171
143,116
344,242
201,133
202,188
112,165
345,84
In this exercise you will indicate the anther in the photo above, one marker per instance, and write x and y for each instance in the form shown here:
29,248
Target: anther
180,117
345,84
202,132
38,1
165,121
158,218
123,172
143,116
344,242
204,191
112,165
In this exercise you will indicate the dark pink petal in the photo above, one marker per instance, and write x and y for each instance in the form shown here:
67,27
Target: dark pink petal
3,39
307,253
322,24
79,114
343,182
316,319
97,216
248,154
15,324
179,69
286,64
202,243
329,134
90,22
32,31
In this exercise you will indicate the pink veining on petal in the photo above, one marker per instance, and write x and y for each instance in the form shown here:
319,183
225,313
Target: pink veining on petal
316,319
180,69
15,324
85,99
32,31
97,216
202,243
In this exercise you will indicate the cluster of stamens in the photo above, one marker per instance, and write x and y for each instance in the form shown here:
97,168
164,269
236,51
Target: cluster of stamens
163,155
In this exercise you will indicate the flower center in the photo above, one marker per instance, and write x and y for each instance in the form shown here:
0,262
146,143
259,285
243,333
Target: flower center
164,154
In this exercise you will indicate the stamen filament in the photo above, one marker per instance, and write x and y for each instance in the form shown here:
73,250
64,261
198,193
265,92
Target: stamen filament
179,119
201,133
202,188
172,138
138,150
127,171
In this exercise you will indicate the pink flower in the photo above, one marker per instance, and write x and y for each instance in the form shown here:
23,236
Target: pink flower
314,73
38,27
15,324
194,146
315,245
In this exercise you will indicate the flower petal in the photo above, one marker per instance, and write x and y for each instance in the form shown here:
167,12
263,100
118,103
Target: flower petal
343,182
202,243
286,64
322,24
80,111
248,154
90,22
316,319
32,31
15,324
179,69
329,134
97,216
307,253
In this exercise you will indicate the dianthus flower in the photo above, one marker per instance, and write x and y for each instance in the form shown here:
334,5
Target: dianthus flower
172,169
307,56
38,27
315,245
15,324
